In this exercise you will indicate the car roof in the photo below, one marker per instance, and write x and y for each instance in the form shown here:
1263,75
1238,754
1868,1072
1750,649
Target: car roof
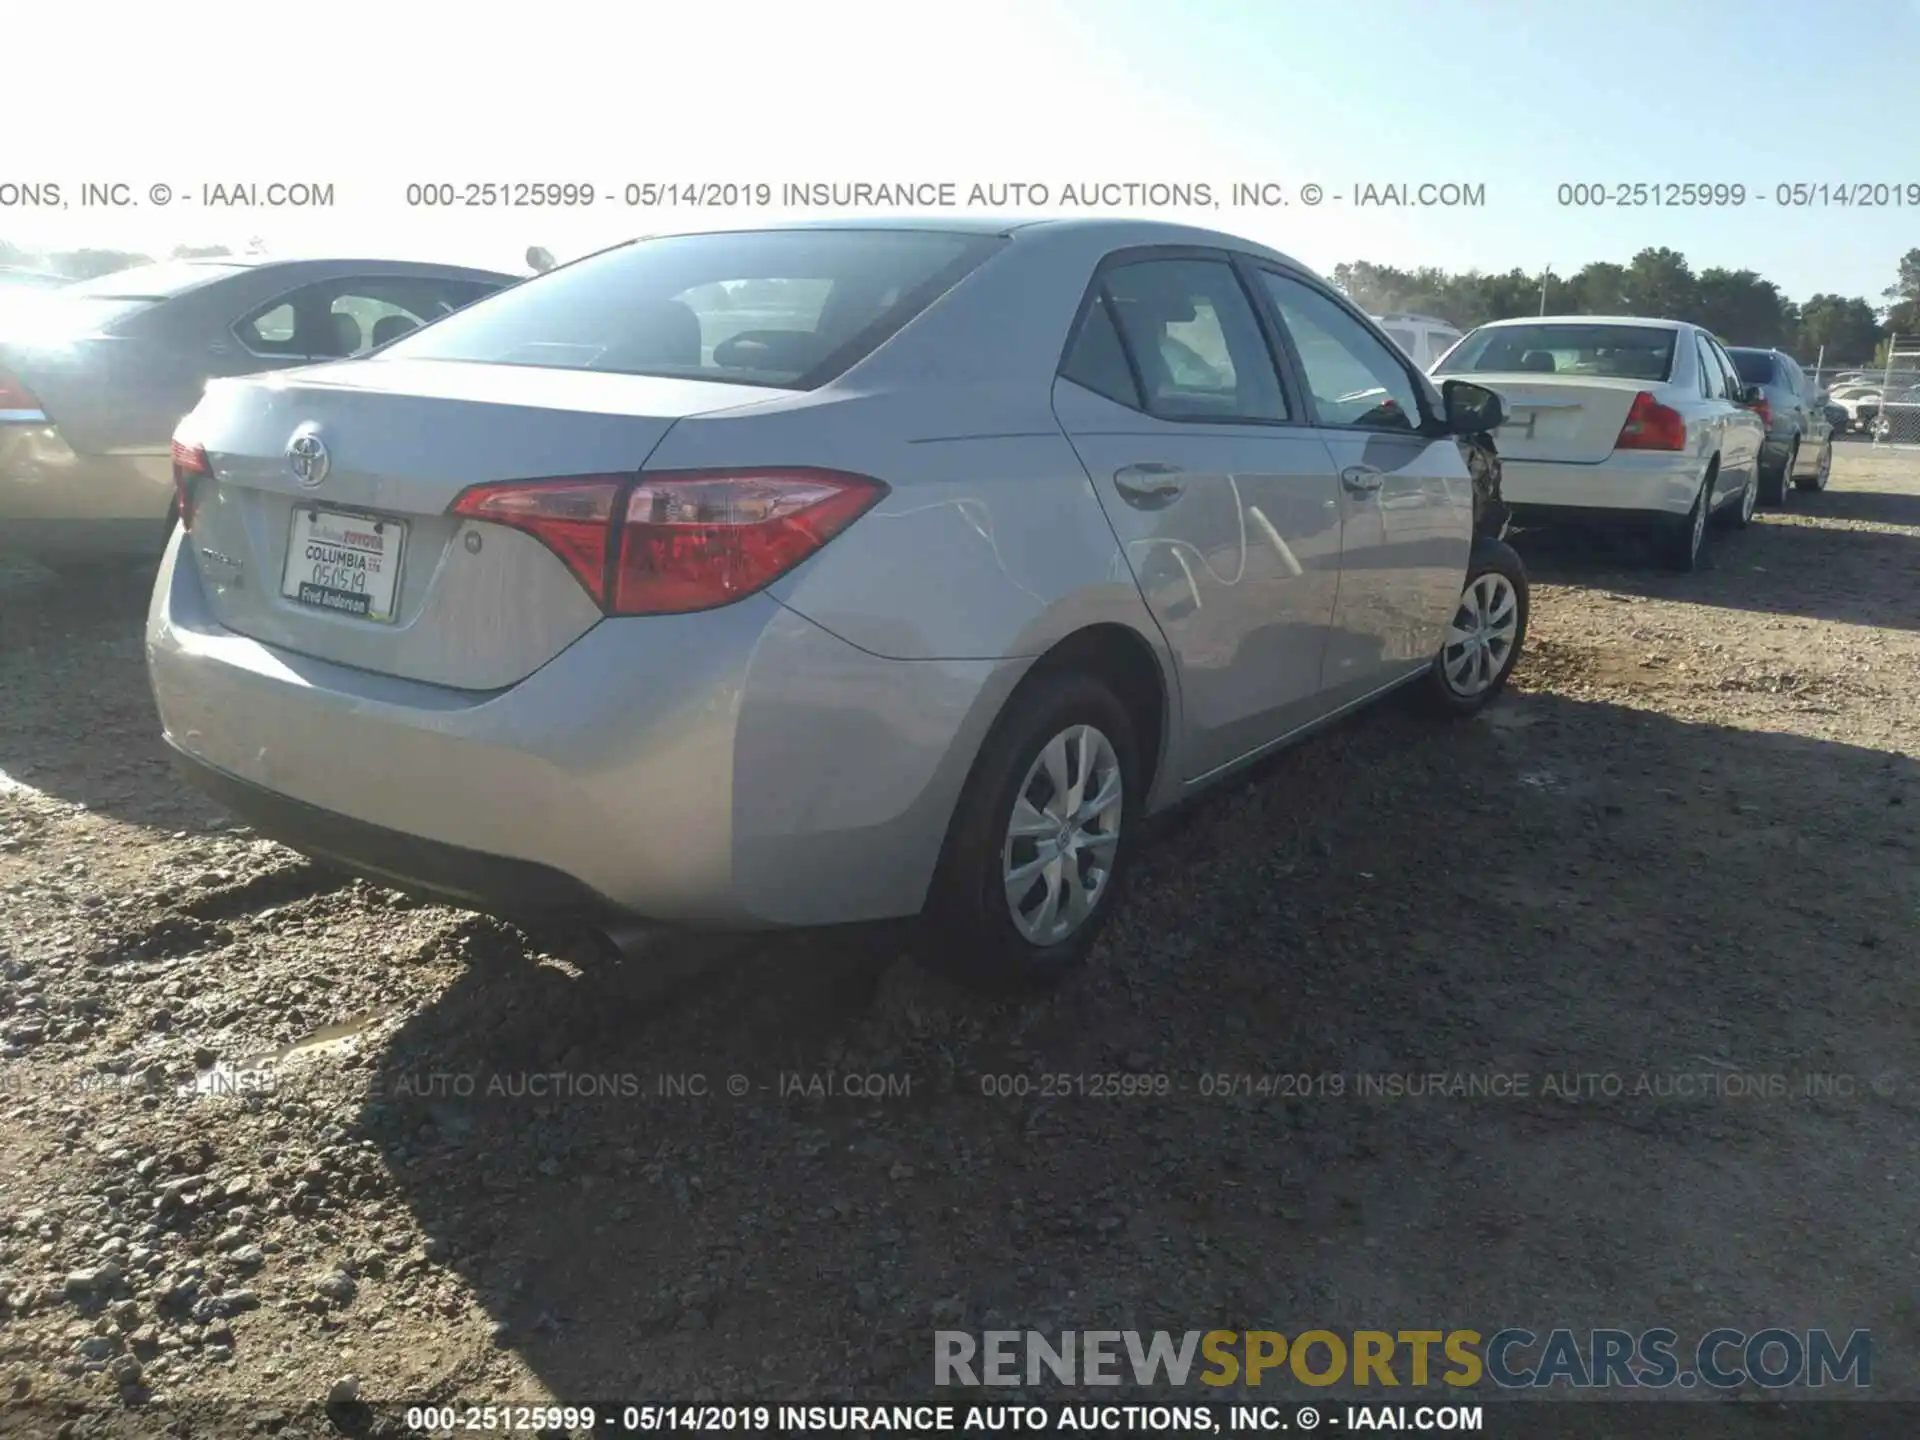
1108,232
1642,320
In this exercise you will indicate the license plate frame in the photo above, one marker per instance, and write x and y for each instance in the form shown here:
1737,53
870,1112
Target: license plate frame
344,562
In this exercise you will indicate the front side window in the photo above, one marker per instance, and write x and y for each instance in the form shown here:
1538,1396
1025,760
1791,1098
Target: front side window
1354,378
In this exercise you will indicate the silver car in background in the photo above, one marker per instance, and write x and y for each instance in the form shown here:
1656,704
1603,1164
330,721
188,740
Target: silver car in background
95,375
820,573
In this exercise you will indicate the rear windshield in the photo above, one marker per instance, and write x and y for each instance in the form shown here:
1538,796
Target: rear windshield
785,308
1755,366
1620,352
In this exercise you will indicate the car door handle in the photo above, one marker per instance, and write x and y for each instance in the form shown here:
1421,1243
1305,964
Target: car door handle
1149,486
1361,479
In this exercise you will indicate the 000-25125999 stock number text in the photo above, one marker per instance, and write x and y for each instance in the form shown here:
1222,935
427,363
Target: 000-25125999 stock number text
1731,195
579,194
628,1419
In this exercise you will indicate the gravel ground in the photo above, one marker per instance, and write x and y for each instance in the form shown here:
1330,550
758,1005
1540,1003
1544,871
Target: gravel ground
264,1133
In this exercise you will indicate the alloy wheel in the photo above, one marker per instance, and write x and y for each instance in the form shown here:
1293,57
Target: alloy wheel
1480,640
1062,835
1750,499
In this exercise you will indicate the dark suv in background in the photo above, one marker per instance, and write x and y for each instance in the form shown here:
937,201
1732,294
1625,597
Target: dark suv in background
1799,443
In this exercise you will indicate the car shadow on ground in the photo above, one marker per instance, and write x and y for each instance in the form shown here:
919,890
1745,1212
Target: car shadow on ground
1875,507
1817,572
781,1176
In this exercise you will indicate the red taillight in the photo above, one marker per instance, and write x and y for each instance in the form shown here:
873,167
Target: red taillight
190,466
1652,426
678,541
699,539
16,401
571,517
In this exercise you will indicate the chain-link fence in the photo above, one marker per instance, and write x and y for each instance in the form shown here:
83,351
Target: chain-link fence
1879,402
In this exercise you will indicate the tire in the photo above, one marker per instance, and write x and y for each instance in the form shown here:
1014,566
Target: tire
1738,517
1680,544
1487,633
1774,487
1818,480
977,940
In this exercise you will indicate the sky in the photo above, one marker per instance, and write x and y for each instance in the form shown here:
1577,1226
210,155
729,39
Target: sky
1520,97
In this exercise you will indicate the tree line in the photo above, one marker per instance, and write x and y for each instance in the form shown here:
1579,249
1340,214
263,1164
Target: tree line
89,264
1739,306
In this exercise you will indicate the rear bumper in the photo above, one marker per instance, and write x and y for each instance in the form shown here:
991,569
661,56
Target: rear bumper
450,873
740,768
1624,485
57,503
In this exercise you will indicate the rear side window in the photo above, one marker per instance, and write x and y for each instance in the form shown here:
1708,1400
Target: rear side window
1402,338
1755,367
1192,332
785,308
1097,360
346,316
1709,370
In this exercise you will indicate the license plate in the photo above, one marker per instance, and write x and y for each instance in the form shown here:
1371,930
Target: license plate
348,564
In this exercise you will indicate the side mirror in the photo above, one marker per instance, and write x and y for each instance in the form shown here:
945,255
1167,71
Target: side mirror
539,259
1751,394
1472,408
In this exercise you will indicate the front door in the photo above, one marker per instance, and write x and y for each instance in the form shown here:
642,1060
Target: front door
1406,496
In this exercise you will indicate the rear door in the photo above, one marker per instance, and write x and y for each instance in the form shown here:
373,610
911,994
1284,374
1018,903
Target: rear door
1222,497
1718,392
1744,431
1406,496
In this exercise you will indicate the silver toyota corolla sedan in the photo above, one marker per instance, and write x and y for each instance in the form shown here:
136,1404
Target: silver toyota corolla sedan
811,574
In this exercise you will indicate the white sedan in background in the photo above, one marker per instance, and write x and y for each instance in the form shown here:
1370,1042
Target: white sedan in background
1621,420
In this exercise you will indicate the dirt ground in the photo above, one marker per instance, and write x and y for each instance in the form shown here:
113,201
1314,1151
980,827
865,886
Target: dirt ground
264,1133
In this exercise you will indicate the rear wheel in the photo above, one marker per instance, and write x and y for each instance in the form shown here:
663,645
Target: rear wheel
1041,838
1489,626
1680,544
1774,486
1741,515
1818,480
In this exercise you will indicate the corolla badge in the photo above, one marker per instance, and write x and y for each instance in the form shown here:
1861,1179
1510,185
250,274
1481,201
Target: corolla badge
307,457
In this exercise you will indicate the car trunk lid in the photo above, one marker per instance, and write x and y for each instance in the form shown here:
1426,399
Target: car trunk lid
323,526
1573,420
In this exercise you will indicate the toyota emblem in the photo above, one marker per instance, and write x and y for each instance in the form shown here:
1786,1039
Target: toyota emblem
307,457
